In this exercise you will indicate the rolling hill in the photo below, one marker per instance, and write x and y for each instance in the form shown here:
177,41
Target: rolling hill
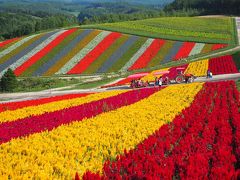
79,51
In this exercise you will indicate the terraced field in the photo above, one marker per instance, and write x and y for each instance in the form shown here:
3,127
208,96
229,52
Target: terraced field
79,51
217,30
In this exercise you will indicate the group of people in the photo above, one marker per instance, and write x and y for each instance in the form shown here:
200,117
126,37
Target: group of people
209,74
139,83
158,81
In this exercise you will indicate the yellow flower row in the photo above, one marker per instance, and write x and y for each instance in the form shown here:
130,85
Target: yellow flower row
86,145
151,77
198,68
9,115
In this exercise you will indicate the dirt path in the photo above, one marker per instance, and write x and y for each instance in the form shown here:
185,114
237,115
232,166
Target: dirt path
14,97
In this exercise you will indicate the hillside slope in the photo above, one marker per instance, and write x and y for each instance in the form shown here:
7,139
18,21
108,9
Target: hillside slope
78,51
217,30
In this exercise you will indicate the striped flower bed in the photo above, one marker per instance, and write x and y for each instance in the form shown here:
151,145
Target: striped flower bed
35,48
66,139
97,64
94,54
82,40
185,50
36,102
147,56
55,41
93,51
149,133
84,52
138,54
20,51
5,43
185,147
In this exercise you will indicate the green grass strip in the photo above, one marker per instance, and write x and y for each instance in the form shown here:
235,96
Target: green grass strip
101,59
51,54
128,55
236,58
207,48
161,54
19,49
208,30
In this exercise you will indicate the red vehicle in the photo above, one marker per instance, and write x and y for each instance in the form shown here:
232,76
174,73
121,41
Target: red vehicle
177,77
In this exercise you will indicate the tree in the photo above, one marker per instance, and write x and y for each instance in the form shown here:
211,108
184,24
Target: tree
8,81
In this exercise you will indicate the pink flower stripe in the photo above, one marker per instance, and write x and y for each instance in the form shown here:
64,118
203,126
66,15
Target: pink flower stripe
222,65
18,71
36,102
4,43
218,46
201,143
122,82
148,55
184,51
94,54
49,121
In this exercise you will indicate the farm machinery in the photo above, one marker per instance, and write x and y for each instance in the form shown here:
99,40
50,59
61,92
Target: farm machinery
174,76
179,77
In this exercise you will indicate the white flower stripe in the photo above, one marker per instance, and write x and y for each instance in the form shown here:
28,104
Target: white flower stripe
16,45
197,49
137,55
23,59
81,54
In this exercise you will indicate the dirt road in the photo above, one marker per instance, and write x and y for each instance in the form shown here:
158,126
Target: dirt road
14,97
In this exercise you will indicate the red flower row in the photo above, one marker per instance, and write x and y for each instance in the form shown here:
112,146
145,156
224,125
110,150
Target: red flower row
173,72
222,65
36,102
4,43
94,54
49,121
148,55
202,142
218,46
18,71
185,50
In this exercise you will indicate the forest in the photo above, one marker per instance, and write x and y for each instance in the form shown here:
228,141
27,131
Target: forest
207,7
23,17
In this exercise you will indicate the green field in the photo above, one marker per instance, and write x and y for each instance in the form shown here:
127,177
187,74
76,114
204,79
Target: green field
210,30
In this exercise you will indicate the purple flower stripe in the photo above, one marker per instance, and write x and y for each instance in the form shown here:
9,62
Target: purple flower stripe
61,54
25,51
173,51
117,55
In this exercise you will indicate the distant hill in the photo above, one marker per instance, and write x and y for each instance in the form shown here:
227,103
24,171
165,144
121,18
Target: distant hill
229,7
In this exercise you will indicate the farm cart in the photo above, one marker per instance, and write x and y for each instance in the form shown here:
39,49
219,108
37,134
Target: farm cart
180,77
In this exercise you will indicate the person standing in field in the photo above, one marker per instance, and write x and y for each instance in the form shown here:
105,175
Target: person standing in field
160,80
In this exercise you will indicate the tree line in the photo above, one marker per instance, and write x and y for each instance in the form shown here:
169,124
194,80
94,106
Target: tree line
207,7
18,24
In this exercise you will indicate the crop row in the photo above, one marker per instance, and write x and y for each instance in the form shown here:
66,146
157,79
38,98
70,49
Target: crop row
77,51
202,142
77,139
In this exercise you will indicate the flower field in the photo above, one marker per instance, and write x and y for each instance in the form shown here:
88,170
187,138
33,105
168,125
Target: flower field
78,51
221,65
181,131
177,28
